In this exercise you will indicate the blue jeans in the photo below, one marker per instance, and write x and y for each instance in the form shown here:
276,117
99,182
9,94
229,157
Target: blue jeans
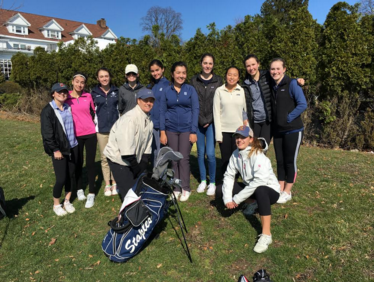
206,145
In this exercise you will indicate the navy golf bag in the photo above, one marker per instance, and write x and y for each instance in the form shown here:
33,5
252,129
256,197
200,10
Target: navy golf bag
144,206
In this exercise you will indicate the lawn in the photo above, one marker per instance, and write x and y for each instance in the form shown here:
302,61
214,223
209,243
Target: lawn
324,234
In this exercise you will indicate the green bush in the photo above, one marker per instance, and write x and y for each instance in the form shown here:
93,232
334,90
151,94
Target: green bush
9,101
10,87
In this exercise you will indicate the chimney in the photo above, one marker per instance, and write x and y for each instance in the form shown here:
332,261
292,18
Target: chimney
102,23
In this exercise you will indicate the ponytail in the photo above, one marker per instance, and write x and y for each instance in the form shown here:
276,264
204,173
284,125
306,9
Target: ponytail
256,147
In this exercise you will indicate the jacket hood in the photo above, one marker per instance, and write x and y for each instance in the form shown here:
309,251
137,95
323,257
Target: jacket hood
128,87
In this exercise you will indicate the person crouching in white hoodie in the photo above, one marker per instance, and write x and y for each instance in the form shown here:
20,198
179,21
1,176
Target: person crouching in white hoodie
260,185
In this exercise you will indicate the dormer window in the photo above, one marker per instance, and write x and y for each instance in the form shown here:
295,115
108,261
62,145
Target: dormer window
19,29
18,25
53,34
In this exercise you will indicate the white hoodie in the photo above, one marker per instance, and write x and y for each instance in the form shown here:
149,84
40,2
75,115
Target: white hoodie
255,171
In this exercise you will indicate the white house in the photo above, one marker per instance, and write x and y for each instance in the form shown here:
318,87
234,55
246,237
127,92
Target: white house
23,32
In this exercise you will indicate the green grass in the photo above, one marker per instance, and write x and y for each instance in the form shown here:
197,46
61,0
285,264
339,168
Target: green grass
324,234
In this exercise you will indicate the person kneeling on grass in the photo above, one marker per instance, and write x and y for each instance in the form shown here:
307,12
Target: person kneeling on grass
260,187
60,143
130,143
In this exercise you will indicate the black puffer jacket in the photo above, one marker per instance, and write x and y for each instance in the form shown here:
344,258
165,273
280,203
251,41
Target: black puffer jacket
265,83
206,95
54,137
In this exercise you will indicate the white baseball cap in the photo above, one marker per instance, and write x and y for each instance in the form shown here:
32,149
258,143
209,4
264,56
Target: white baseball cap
131,68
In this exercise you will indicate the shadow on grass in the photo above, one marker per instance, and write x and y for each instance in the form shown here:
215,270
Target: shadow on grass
196,173
12,209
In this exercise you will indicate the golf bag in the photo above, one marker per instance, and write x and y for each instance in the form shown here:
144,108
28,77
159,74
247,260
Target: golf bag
144,206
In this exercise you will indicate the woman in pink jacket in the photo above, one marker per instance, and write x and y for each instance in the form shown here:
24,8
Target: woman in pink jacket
83,110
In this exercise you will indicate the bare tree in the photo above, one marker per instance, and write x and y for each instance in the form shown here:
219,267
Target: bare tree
367,7
168,21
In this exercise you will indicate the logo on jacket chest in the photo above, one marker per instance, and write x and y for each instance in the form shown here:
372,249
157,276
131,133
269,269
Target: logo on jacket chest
185,93
160,89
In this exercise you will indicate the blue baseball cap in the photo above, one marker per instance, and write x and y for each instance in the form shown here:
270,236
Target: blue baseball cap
57,87
145,93
244,131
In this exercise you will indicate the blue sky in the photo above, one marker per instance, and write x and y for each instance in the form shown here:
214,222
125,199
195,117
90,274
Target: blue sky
123,16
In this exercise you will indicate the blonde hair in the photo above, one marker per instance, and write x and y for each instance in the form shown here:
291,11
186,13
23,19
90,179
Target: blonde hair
256,146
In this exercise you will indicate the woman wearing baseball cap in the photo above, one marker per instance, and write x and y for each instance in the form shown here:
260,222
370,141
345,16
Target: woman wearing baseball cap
130,142
260,188
60,143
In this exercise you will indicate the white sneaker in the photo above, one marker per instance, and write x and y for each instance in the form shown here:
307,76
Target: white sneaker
201,187
108,190
69,207
211,189
263,243
114,190
90,201
185,195
80,195
177,194
59,210
284,198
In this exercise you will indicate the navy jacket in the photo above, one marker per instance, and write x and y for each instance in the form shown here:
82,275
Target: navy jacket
288,104
179,112
158,88
106,107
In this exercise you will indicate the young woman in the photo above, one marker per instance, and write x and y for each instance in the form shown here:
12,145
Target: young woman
158,84
288,104
128,91
60,143
179,112
206,84
82,108
259,183
229,112
258,93
105,97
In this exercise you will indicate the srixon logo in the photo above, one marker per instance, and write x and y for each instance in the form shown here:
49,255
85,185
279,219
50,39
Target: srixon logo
131,244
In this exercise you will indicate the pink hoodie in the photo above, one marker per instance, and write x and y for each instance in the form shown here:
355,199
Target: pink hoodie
81,110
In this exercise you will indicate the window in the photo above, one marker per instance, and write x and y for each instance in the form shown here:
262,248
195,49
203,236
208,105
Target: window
19,29
53,34
6,67
16,46
23,46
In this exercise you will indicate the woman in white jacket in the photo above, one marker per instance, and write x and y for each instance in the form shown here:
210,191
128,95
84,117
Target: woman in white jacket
260,188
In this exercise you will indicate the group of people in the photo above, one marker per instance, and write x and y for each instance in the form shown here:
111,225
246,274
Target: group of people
133,122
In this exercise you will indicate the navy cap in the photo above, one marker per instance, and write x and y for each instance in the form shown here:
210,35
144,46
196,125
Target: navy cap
57,87
244,131
145,93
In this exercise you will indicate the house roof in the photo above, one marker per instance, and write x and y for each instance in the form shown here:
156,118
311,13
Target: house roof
37,22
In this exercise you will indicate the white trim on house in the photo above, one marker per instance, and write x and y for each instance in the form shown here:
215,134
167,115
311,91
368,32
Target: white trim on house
81,31
18,25
109,34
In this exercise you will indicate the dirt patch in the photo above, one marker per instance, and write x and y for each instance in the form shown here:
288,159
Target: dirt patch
19,116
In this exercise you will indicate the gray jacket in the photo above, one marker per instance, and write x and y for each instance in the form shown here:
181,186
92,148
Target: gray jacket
127,97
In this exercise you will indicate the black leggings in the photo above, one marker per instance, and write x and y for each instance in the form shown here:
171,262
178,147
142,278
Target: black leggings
90,142
263,129
227,147
264,195
286,148
124,177
65,172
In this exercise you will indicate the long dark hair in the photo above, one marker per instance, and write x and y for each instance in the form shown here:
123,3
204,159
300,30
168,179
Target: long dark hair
152,63
247,75
174,66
